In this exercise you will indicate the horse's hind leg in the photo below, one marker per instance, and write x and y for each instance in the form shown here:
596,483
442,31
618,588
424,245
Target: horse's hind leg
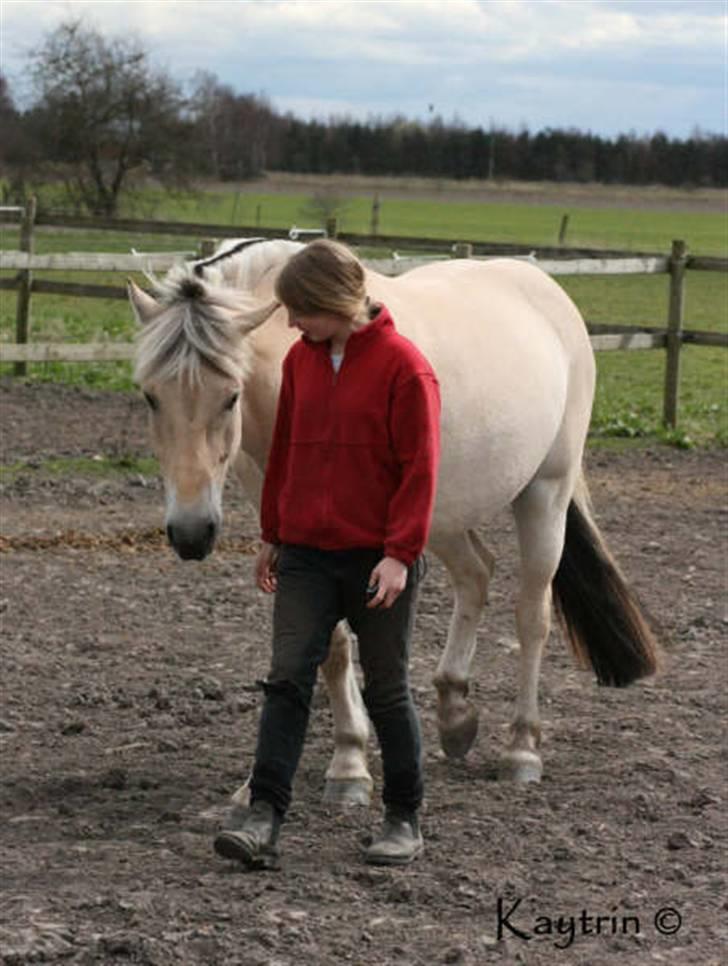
470,565
540,514
348,781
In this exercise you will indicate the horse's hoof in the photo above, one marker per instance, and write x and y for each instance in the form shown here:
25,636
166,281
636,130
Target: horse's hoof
348,791
457,740
520,766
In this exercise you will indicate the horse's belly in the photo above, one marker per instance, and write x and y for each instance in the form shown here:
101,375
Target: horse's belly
482,473
510,352
497,430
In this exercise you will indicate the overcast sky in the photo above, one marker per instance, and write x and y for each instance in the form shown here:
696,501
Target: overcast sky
604,66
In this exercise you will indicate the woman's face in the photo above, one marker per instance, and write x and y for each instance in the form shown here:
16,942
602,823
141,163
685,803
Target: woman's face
318,326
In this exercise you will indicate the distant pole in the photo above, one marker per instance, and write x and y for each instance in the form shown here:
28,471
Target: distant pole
234,215
675,317
25,282
257,216
375,215
491,154
332,227
562,229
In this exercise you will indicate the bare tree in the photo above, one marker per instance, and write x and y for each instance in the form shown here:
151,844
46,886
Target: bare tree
8,119
234,130
323,205
18,152
104,112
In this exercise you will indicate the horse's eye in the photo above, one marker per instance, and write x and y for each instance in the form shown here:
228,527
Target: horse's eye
230,404
151,402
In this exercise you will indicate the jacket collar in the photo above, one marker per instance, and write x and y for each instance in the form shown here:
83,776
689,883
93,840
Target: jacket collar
381,323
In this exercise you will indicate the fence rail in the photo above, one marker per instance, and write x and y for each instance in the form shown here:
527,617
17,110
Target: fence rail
435,245
90,261
99,262
555,261
124,351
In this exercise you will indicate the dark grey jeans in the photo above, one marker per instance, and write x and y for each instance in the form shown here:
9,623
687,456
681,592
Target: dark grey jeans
316,589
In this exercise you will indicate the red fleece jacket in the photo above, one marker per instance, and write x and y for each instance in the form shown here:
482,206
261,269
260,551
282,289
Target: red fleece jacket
354,456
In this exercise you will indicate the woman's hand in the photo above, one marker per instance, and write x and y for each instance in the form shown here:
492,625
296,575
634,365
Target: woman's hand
265,568
390,579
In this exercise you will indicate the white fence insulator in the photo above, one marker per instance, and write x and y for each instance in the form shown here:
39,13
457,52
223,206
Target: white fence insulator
295,233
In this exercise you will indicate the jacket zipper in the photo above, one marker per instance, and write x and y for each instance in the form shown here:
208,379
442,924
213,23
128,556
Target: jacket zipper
327,507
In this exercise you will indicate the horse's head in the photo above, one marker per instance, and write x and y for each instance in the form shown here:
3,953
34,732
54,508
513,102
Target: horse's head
190,365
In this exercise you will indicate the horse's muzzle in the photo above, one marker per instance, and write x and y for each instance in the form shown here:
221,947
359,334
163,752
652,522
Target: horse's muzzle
192,540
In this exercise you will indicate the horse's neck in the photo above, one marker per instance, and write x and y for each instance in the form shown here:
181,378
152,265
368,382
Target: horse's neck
255,268
266,346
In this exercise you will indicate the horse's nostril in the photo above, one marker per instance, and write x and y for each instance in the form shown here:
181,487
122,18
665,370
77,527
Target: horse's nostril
192,539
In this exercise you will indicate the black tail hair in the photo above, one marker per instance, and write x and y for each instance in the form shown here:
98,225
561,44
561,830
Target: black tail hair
601,615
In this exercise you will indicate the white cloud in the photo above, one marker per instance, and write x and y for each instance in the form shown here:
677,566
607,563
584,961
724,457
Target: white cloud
389,56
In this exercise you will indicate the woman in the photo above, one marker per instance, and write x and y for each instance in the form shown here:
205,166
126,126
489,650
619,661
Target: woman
346,508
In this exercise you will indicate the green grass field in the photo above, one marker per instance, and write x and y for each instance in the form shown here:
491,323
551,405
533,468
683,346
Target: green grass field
634,229
629,393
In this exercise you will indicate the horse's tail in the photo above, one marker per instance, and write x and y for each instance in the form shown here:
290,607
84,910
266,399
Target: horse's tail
600,614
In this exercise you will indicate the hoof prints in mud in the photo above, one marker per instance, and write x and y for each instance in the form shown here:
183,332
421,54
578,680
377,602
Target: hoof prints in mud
129,716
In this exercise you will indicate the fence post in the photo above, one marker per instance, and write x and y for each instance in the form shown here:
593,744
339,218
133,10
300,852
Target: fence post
673,344
207,247
462,250
25,282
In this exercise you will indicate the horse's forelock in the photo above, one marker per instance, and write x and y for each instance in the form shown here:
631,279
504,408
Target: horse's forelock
199,325
190,288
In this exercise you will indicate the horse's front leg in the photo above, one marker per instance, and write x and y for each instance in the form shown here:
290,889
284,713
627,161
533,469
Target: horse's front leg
470,565
348,781
347,778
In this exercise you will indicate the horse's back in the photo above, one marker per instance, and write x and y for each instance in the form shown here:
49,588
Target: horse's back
479,297
514,363
515,367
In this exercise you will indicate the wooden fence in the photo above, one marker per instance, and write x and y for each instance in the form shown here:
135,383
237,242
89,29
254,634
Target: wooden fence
555,261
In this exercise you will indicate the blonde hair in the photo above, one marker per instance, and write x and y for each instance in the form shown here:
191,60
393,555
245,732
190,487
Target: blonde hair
325,276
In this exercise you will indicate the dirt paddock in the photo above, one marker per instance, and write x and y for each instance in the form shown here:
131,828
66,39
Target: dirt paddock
129,709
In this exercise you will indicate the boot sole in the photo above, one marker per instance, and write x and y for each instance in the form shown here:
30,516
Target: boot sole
394,859
229,846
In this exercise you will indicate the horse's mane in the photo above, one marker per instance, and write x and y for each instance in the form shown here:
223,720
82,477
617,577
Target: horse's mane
203,307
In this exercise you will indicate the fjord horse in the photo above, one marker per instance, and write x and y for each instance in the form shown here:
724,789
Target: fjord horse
517,375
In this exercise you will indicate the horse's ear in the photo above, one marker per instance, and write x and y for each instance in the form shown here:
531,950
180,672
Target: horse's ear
252,318
144,306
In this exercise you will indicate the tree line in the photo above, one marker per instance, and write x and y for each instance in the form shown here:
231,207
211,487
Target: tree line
103,119
403,147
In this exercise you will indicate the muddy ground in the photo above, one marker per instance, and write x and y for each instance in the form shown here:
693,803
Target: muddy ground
129,711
